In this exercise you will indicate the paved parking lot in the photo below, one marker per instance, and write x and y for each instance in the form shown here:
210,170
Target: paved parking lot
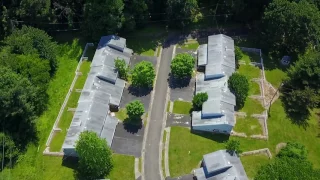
183,93
128,140
178,120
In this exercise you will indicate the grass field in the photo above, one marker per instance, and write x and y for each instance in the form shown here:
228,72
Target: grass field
66,118
182,107
248,125
252,163
187,149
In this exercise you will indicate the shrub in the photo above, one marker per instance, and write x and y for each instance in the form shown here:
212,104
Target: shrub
198,100
239,85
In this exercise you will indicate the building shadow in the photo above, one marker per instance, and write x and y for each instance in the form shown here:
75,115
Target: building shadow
139,92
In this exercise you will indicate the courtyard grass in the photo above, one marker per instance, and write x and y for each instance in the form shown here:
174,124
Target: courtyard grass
182,107
252,163
186,148
121,114
248,125
66,118
252,106
123,167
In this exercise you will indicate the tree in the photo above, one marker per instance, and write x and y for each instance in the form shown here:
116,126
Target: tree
135,110
18,103
180,13
95,156
239,85
198,100
143,75
102,17
238,53
182,66
33,41
293,150
290,27
122,68
300,91
233,146
288,168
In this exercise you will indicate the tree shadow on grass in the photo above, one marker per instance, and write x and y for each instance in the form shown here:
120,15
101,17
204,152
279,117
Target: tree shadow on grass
132,125
217,137
178,82
139,91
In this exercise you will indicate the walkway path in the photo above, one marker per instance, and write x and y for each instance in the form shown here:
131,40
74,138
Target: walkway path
151,147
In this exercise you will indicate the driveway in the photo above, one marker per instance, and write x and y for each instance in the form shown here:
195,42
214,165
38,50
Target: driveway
128,140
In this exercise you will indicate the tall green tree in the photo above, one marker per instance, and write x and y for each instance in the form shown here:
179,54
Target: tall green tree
102,17
182,66
288,28
300,91
143,75
95,156
33,41
18,103
239,85
180,13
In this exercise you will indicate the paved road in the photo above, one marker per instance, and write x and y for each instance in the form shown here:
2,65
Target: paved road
151,158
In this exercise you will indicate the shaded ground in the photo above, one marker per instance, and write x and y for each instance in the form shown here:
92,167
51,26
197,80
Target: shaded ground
182,93
128,141
178,120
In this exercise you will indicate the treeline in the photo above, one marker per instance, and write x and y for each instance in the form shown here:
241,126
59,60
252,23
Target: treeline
28,61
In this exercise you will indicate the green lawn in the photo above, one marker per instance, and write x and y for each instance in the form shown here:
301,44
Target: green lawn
254,88
187,149
248,125
66,118
182,107
275,77
192,45
123,167
252,163
121,114
252,106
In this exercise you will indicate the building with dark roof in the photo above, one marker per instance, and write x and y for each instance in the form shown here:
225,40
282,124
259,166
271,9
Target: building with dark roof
217,61
220,165
102,90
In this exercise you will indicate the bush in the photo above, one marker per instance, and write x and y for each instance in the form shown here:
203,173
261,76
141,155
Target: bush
182,66
135,110
95,156
198,100
239,85
122,68
238,53
143,75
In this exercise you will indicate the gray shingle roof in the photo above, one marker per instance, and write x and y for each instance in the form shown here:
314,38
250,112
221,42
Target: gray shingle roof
102,87
219,108
220,165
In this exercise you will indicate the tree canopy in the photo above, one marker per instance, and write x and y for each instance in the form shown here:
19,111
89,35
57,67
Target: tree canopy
95,156
289,27
143,75
239,85
301,89
135,110
182,66
33,41
181,12
18,105
102,17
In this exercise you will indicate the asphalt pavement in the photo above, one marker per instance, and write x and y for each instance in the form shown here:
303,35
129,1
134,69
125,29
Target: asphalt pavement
151,157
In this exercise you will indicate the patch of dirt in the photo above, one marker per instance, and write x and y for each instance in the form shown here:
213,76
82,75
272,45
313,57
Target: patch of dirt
280,146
